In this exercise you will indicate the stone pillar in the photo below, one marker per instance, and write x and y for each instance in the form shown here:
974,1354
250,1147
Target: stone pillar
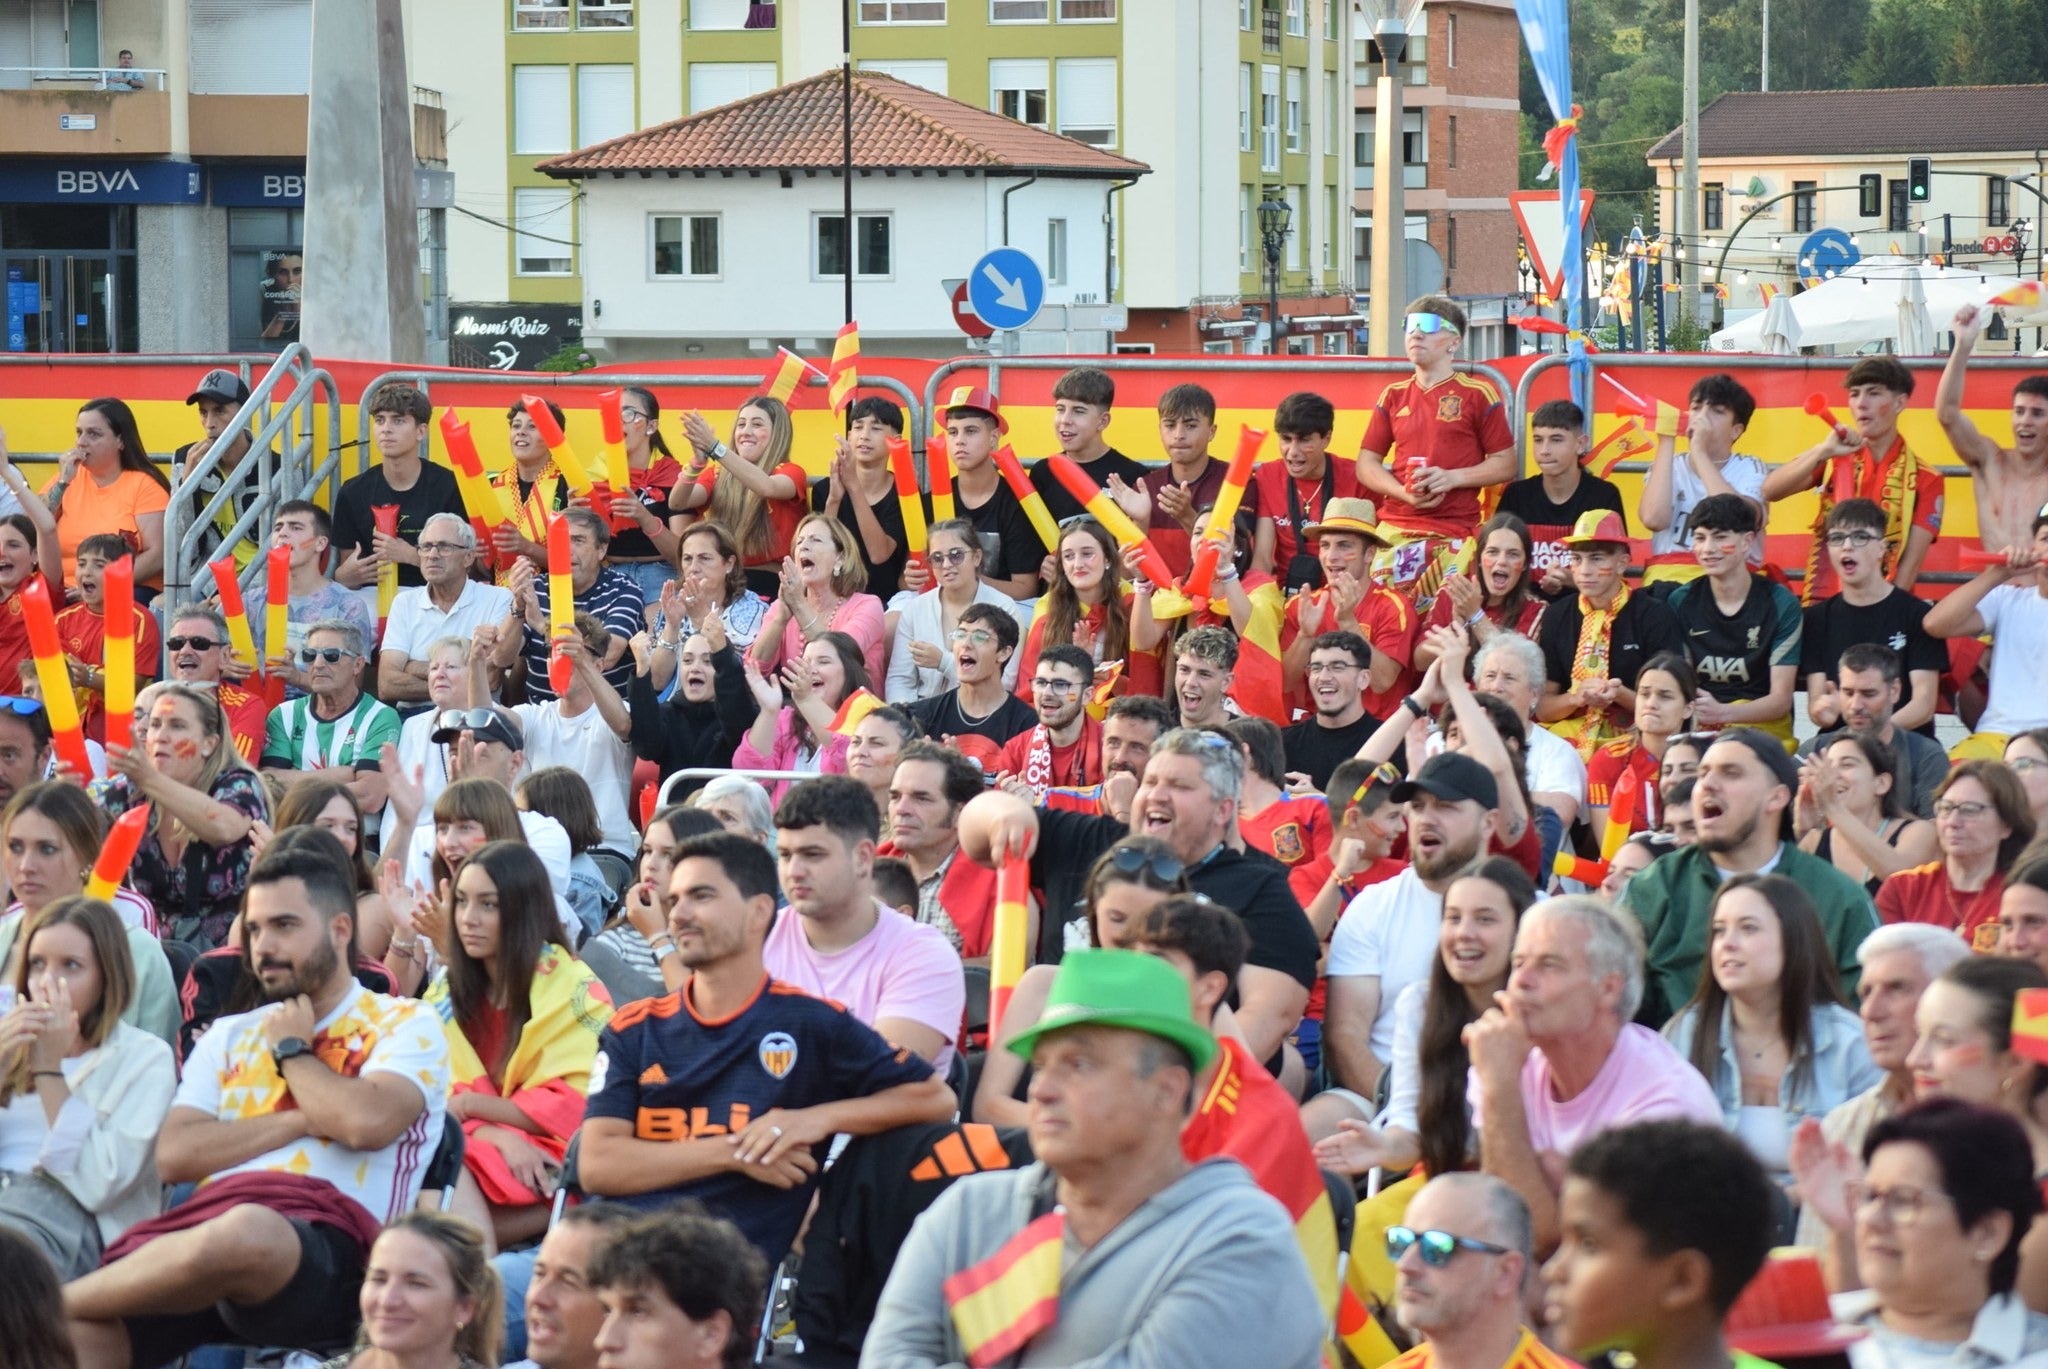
362,290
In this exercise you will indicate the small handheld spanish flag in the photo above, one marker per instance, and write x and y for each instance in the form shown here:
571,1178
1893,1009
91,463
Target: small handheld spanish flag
790,370
1629,442
858,705
2026,295
843,377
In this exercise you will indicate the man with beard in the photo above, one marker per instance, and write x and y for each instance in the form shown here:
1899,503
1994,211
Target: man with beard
1558,1061
1188,799
1130,729
723,1090
198,651
930,787
1865,695
1742,812
1387,939
978,715
1065,749
308,1121
1203,662
1339,664
24,748
1346,540
1461,1259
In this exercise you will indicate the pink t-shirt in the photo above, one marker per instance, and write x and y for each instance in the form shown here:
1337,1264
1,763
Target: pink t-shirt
860,618
900,969
1644,1080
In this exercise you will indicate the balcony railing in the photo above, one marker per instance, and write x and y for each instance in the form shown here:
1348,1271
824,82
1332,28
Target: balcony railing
83,78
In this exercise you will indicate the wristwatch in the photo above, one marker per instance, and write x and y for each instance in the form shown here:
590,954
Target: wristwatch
290,1048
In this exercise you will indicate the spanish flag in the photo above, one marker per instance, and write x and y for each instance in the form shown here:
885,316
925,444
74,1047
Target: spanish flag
789,373
858,705
2025,295
1000,1304
843,376
2030,1025
1256,684
1627,443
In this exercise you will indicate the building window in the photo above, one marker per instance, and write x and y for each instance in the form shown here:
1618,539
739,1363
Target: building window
540,110
1085,96
1330,19
1332,138
1997,202
1087,11
685,246
1710,205
1244,16
1331,223
1019,11
927,74
871,243
1414,138
1869,196
1244,228
720,83
1802,206
1295,227
1450,40
903,11
1451,141
1269,118
604,103
1450,242
540,14
708,16
1018,90
1294,75
1897,206
1244,106
543,224
604,14
1055,251
1297,18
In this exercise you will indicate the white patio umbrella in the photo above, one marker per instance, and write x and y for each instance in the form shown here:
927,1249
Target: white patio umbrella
1880,299
1915,336
1779,331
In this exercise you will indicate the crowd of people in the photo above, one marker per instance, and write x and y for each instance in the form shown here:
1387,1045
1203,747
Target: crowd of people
617,983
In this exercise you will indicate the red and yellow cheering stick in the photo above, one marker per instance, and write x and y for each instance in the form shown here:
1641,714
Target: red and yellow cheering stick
1007,948
1844,473
561,604
1622,806
1591,873
938,464
1104,510
124,838
118,586
1219,536
54,676
1028,495
277,609
385,518
618,471
915,536
230,590
565,457
483,499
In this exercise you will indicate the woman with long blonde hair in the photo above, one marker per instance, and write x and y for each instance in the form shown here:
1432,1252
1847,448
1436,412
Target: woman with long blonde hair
430,1297
765,496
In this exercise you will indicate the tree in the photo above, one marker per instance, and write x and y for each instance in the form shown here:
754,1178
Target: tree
1996,42
1904,46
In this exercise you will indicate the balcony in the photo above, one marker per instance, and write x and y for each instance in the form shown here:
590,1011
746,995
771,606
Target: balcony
50,111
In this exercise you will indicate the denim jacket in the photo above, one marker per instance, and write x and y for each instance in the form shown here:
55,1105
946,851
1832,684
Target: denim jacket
1837,1068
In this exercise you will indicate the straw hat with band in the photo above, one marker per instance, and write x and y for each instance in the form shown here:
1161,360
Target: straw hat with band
1355,516
1125,989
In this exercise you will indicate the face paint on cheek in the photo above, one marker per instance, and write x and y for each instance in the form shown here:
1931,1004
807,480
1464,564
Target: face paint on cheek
184,750
1968,1055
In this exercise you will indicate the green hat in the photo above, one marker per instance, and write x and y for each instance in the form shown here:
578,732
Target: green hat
1127,989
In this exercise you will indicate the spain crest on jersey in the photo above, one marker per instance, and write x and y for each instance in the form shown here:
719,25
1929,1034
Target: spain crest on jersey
1287,844
1450,408
778,1053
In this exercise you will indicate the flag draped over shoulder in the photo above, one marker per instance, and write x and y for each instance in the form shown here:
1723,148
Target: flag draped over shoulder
998,1305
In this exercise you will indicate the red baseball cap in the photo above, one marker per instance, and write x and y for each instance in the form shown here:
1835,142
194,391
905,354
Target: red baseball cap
978,398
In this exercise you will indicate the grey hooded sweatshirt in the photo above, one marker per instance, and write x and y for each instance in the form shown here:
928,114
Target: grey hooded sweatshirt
1205,1273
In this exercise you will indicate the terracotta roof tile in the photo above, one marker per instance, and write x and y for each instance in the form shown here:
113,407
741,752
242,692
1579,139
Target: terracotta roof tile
896,126
1926,121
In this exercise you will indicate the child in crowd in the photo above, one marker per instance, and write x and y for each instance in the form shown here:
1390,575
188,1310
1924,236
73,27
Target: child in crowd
82,631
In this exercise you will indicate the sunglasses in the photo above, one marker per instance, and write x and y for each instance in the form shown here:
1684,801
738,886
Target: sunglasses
196,643
470,719
1130,860
20,706
329,654
1430,323
951,557
1438,1247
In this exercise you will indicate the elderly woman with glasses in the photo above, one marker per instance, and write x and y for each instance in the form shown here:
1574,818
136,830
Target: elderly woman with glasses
920,666
205,800
1981,822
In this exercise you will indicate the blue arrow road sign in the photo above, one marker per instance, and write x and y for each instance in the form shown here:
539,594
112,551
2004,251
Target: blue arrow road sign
1006,288
1828,252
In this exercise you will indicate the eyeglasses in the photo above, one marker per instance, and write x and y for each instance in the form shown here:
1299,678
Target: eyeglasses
1132,860
980,636
1055,688
1854,541
472,719
1968,812
1430,323
628,411
329,654
1438,1247
196,643
21,706
441,548
1901,1206
1346,666
948,558
2020,765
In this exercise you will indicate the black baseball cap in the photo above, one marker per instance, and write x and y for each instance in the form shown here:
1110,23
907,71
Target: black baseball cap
221,385
1765,748
1452,777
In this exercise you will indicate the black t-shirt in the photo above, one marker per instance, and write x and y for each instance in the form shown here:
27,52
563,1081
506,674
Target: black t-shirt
1733,654
1550,523
1643,628
1062,505
1317,751
355,527
978,739
1251,884
1834,625
1009,544
884,577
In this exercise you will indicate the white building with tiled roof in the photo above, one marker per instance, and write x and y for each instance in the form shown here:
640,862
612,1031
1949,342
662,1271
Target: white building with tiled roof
725,230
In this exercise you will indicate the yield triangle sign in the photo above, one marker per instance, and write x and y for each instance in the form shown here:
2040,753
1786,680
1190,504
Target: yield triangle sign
1542,226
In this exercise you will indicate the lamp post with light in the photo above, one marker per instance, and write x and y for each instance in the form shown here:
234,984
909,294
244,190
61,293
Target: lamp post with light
1274,214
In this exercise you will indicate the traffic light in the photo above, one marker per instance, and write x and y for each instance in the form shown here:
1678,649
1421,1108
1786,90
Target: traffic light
1919,171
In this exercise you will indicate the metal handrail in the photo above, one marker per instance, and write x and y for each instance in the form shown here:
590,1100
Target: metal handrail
103,76
606,380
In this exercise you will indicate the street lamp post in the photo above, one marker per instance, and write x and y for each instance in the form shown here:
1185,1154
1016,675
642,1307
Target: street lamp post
1274,214
1390,20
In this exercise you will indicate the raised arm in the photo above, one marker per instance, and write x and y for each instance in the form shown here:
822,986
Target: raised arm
1956,613
1972,447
